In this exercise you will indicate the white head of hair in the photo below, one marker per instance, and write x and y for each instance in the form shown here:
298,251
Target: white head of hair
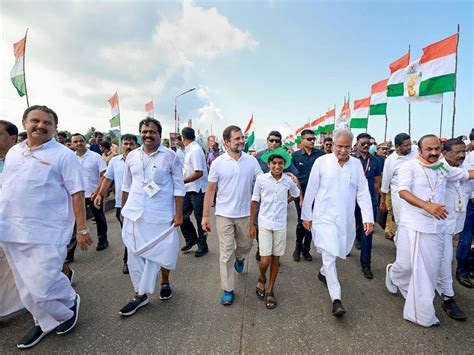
343,132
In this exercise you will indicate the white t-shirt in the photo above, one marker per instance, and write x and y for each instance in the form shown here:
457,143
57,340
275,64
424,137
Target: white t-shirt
195,160
114,172
35,200
92,165
234,180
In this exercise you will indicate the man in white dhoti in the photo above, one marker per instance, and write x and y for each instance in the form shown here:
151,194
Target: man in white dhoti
42,194
422,189
152,201
402,153
336,181
457,196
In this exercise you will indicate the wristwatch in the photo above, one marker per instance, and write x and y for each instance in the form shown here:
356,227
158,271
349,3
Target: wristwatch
83,231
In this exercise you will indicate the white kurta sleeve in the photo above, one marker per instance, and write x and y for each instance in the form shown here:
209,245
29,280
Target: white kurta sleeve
177,175
71,174
311,192
387,176
405,177
363,196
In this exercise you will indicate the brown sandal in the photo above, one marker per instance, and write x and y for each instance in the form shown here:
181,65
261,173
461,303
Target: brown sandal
271,301
260,291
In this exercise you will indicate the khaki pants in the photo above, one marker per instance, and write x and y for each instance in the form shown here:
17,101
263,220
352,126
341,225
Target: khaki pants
234,241
390,223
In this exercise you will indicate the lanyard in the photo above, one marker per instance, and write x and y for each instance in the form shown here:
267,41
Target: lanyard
367,166
432,186
151,158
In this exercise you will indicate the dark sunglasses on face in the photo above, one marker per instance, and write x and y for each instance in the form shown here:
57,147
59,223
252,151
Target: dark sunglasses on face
271,140
364,144
328,145
312,139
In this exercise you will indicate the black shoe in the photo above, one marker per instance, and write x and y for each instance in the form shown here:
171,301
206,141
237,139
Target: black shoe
68,325
70,275
33,337
133,306
69,259
322,278
165,291
296,255
452,309
367,272
337,309
464,280
201,252
357,244
257,255
187,247
307,256
125,269
102,245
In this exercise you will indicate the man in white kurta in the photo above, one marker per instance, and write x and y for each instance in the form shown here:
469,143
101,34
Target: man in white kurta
41,196
153,191
336,181
422,188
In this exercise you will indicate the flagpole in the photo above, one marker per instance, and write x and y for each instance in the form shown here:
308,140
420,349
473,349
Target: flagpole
455,79
386,124
120,125
409,106
441,120
24,72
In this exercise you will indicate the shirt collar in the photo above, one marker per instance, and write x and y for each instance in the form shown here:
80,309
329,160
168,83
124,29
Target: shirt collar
161,148
47,144
228,157
189,146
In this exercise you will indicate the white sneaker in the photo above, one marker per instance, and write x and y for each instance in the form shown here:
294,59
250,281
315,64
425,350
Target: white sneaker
388,280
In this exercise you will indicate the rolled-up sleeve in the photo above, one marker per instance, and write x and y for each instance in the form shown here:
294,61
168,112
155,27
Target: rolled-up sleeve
214,172
71,174
257,189
127,176
177,174
405,177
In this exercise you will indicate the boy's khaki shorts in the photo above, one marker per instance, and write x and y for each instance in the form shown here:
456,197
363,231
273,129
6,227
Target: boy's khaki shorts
271,242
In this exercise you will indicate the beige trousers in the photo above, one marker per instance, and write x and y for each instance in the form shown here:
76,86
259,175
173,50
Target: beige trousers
234,241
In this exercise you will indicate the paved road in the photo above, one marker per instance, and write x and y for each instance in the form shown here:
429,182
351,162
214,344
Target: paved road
193,321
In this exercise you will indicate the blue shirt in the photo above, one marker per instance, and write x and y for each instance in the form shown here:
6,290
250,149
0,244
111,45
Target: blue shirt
303,163
372,168
2,162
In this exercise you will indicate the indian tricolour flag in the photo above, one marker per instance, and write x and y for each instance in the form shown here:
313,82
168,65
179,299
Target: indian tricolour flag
397,76
360,115
378,98
17,74
114,104
249,135
298,135
344,117
290,140
317,124
329,121
149,109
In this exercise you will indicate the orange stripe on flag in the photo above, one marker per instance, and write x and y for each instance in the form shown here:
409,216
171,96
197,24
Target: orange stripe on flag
365,102
440,49
400,63
113,101
315,122
249,125
330,113
149,106
307,125
379,86
19,48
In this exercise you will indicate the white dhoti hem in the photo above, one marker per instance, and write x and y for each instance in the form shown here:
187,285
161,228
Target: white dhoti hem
144,266
9,296
329,271
415,272
445,280
44,290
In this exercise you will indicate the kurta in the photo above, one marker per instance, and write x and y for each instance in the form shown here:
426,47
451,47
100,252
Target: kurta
334,190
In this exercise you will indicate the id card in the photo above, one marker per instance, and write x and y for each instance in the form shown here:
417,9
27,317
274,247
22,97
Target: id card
459,204
150,187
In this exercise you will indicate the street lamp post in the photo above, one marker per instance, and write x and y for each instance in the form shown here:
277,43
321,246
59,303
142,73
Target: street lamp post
176,124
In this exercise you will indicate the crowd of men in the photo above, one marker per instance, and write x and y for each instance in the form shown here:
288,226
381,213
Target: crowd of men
420,195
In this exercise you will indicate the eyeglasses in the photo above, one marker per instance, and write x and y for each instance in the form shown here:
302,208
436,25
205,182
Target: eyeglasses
328,145
364,144
274,140
312,139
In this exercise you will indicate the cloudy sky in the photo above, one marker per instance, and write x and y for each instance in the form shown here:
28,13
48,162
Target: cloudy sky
284,61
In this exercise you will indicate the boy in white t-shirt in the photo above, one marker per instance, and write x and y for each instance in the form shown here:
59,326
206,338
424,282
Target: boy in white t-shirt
273,191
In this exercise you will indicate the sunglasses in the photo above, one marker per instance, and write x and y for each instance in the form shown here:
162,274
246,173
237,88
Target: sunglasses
328,145
364,144
310,139
274,140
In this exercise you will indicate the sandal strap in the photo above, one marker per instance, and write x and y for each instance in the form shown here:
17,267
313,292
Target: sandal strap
262,281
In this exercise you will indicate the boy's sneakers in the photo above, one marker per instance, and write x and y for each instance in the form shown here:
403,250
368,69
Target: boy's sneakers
239,265
165,291
68,325
227,298
33,337
134,305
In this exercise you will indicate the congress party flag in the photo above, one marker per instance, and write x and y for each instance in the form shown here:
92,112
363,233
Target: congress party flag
360,115
114,105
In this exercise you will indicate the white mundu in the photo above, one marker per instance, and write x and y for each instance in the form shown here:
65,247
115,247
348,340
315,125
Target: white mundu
421,239
390,178
334,190
147,215
36,224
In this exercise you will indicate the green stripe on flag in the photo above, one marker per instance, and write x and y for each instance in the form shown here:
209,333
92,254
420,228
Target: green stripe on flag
395,90
379,109
19,84
249,142
115,121
437,85
330,127
359,123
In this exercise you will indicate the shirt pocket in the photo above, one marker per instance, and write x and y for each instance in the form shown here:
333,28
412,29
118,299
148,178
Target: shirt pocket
36,174
161,176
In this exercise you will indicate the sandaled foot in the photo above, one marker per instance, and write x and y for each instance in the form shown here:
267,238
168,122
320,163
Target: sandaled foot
271,301
260,288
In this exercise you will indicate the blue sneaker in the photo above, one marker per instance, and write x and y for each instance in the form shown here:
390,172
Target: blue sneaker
227,298
239,265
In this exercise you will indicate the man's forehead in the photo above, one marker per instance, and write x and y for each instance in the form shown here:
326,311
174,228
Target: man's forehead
40,115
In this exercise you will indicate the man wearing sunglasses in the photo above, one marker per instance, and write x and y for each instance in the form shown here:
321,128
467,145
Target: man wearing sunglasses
274,141
303,160
373,173
327,145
